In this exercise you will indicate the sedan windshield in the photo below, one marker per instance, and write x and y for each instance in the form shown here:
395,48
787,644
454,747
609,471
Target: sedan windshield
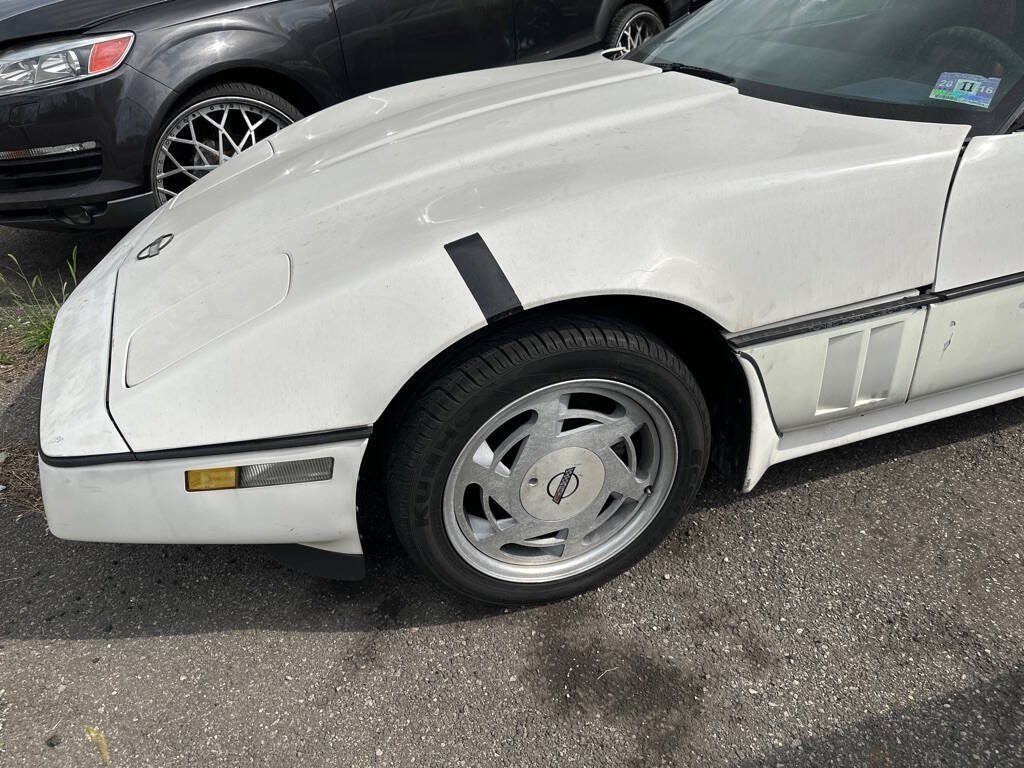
932,60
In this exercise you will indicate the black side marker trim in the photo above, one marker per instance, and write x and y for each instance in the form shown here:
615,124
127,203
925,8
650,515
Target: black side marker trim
219,449
483,276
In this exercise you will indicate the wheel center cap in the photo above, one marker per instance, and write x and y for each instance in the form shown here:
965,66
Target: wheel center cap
562,484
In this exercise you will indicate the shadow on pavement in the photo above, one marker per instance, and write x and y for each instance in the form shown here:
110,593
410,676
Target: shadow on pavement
879,450
52,589
980,726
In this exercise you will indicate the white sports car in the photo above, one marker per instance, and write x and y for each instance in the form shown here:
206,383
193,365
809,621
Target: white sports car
531,303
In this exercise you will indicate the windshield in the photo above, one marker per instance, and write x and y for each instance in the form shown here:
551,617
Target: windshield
930,60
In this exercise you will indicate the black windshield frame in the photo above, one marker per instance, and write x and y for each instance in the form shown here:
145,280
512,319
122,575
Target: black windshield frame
1004,118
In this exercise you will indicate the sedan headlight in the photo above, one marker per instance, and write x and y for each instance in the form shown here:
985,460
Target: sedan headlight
61,61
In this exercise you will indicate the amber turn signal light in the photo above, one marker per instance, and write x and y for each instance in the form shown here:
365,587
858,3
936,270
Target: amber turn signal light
211,479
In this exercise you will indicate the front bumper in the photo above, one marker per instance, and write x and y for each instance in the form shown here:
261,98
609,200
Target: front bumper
120,112
137,500
97,488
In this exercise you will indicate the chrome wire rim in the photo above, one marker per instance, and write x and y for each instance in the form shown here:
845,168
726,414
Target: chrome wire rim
210,134
638,29
560,481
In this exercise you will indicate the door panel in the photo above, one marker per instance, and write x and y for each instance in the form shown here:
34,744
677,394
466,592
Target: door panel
549,28
983,237
980,336
387,42
971,340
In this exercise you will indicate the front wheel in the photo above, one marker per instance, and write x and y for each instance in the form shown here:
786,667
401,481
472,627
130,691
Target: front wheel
632,26
548,459
209,129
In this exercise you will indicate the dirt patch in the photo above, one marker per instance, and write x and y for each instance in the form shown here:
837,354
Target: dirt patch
20,379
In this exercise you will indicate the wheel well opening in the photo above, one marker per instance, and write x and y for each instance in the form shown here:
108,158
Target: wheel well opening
695,338
282,85
661,7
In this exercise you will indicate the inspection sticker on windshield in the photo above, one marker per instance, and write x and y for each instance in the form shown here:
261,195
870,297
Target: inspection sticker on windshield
966,89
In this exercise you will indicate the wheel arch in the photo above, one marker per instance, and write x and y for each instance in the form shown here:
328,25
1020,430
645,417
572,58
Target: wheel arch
697,339
664,9
609,8
260,74
263,76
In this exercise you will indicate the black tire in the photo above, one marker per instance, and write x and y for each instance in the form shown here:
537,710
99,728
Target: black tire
497,371
631,14
282,110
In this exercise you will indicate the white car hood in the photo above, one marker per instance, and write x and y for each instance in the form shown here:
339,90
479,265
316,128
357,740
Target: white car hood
583,176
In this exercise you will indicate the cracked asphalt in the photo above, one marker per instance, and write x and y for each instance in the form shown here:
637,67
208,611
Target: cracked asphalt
862,607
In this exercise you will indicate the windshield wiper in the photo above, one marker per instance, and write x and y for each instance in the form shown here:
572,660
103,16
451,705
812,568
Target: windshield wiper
690,69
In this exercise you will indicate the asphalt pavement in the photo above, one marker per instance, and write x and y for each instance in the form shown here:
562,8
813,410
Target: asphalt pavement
862,607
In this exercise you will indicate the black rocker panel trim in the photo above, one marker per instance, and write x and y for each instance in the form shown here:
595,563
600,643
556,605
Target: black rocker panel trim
484,277
219,449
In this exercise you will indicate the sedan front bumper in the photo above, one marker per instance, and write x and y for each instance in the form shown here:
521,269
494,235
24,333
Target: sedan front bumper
108,187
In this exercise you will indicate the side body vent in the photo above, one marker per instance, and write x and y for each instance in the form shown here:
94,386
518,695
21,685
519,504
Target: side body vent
860,368
839,372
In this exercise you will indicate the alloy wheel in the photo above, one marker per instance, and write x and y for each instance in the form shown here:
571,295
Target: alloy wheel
560,481
208,135
637,30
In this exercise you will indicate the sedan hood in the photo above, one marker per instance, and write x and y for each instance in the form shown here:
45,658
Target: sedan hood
319,255
20,19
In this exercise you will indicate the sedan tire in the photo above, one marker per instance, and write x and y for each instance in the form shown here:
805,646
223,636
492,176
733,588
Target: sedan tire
547,459
210,128
632,26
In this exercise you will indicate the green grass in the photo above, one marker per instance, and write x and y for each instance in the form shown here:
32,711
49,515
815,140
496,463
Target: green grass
36,305
6,359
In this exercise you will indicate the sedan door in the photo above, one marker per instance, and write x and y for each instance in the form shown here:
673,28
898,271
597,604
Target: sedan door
387,42
549,28
976,333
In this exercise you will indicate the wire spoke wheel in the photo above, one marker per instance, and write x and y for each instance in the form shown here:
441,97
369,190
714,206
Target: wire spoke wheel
208,135
560,481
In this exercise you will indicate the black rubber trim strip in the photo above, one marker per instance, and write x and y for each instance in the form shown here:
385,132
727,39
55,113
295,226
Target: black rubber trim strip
244,446
483,276
319,562
764,389
949,197
982,287
831,321
877,310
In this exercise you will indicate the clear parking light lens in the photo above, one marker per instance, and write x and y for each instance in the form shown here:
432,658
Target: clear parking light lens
260,475
284,472
61,61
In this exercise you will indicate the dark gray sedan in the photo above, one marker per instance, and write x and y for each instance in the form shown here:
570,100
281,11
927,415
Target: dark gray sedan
109,108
